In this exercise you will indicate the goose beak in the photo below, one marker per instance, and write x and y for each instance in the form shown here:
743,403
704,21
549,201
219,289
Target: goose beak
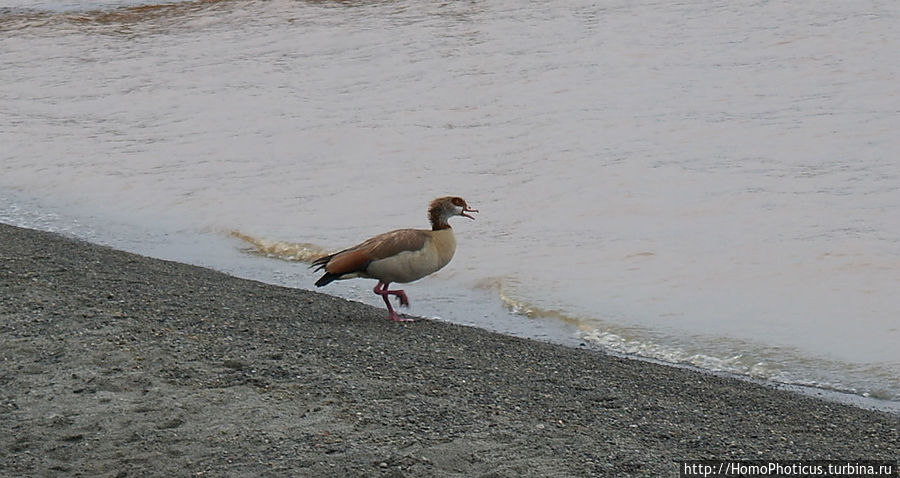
468,209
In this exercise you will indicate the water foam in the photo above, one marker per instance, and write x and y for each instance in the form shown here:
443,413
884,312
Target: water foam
286,251
764,364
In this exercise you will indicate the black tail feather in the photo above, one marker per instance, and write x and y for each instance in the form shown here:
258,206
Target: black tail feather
326,279
320,264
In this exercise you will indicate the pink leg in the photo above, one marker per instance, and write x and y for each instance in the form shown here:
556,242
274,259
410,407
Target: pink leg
404,301
382,290
401,295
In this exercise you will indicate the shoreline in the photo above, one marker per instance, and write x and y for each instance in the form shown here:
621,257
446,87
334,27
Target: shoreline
116,364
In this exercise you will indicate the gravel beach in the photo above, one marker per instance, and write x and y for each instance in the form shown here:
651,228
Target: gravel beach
117,365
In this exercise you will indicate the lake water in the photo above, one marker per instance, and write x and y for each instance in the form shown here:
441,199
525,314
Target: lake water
712,183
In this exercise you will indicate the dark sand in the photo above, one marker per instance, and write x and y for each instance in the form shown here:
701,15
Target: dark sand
119,365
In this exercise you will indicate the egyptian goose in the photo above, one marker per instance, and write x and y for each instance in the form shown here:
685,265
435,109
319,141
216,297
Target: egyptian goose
404,255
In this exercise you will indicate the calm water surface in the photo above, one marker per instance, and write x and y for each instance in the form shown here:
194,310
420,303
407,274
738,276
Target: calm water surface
709,183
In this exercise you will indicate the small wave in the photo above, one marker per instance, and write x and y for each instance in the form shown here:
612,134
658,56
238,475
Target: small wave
620,342
637,342
286,251
522,308
776,365
642,348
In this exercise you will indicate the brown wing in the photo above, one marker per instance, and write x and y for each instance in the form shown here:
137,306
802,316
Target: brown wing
357,258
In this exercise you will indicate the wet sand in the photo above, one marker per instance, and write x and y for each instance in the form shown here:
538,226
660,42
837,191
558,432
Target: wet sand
119,365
